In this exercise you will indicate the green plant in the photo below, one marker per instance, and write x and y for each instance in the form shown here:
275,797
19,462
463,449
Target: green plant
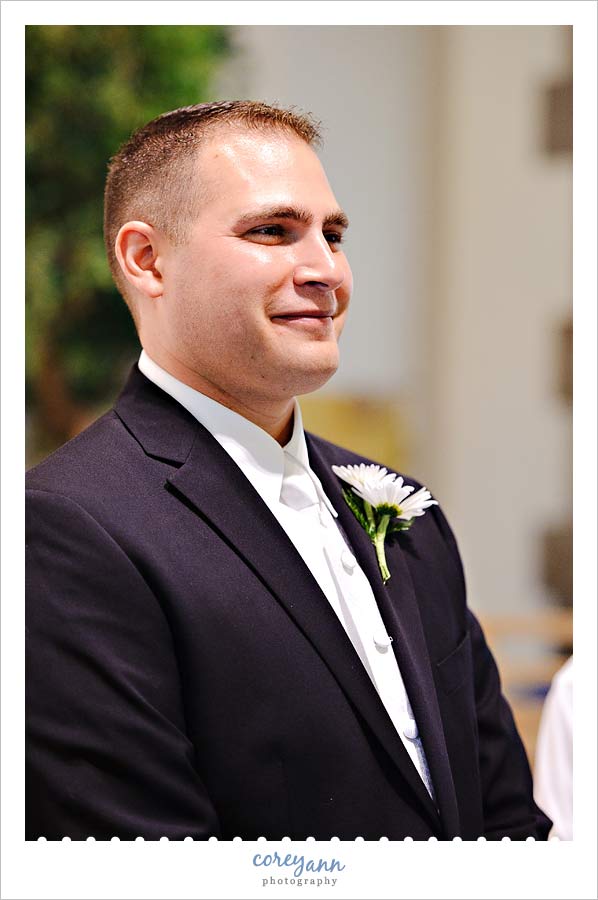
87,88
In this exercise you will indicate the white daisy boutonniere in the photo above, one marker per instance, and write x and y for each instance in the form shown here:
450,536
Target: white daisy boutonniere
382,504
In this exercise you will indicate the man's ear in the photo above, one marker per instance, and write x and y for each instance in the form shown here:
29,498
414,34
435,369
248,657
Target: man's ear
136,248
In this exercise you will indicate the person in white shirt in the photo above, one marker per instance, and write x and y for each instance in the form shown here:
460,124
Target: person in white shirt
553,770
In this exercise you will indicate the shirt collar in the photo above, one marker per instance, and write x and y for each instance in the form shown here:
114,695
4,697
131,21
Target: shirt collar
297,448
258,455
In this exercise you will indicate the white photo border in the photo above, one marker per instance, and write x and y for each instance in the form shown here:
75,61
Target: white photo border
190,869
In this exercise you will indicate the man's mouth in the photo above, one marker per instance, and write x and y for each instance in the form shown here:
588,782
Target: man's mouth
314,324
303,314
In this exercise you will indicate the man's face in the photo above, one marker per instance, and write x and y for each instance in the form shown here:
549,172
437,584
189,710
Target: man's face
255,301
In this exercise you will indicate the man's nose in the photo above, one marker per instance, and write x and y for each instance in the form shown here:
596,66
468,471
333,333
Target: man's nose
319,266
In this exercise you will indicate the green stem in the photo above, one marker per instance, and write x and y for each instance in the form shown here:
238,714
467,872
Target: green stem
369,511
378,541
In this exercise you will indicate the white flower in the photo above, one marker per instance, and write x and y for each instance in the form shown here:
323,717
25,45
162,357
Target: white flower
385,499
388,493
416,505
362,476
395,495
379,488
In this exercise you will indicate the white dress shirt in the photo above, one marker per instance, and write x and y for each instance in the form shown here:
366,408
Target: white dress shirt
293,493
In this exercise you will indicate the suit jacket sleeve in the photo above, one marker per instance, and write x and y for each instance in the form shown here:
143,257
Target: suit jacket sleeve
507,789
107,752
509,809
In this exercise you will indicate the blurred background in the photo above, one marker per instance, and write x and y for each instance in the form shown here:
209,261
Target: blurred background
450,147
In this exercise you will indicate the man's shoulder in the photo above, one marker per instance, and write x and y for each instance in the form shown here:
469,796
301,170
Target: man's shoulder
74,453
337,455
99,455
144,430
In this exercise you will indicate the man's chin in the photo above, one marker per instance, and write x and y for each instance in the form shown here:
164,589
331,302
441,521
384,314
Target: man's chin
312,378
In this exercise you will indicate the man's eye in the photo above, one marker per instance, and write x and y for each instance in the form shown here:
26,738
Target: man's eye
268,230
279,231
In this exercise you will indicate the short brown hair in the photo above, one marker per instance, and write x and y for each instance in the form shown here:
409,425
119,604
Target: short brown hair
148,179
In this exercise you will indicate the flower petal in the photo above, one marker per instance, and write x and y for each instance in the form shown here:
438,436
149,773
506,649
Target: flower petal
358,476
377,486
417,504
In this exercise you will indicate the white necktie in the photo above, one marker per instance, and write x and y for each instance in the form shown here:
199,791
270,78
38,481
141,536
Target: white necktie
298,490
352,600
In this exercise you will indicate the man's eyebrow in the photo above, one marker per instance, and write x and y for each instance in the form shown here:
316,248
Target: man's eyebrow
338,217
296,213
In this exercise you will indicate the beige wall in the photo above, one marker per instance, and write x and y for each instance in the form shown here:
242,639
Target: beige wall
461,249
370,87
502,290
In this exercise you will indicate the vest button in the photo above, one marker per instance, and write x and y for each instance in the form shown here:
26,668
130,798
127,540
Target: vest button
410,730
382,641
349,562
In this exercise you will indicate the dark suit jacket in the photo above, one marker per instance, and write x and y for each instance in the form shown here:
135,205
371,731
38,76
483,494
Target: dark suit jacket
186,675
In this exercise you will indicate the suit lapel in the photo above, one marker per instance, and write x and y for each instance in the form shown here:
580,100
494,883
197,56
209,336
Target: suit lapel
208,481
399,609
214,485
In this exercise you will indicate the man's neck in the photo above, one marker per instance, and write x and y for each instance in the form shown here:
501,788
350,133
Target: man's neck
274,416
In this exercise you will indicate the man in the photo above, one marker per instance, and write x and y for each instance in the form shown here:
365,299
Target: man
212,649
